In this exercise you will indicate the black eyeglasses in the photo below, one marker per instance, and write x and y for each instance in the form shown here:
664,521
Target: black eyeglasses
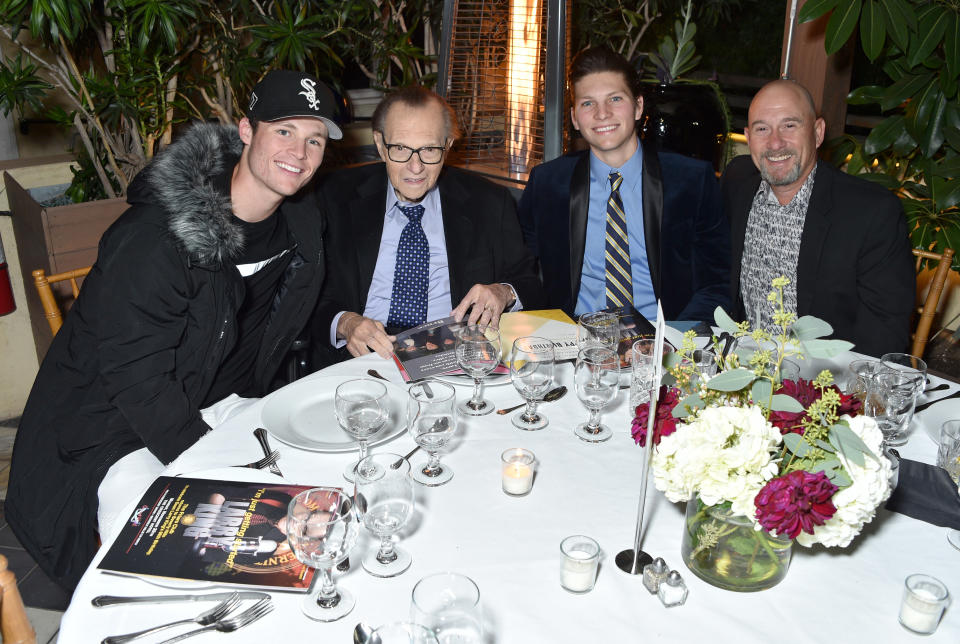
428,154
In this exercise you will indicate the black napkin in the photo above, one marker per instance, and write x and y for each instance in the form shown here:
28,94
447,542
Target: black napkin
926,492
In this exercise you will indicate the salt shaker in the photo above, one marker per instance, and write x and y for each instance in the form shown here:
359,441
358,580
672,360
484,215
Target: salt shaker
654,574
672,592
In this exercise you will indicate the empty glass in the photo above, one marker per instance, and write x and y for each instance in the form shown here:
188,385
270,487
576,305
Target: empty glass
321,529
948,457
531,371
597,380
642,370
383,496
431,420
861,371
362,408
599,328
449,605
890,398
908,364
478,353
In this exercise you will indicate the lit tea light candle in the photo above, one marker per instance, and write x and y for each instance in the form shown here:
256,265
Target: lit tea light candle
924,599
517,473
578,572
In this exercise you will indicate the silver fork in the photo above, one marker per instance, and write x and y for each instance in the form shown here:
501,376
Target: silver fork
266,461
231,624
211,616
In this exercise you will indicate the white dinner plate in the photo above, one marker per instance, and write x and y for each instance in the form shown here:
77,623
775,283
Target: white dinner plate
302,414
937,415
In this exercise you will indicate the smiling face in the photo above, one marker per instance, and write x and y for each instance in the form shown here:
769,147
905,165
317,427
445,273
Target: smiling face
278,159
783,133
605,112
414,127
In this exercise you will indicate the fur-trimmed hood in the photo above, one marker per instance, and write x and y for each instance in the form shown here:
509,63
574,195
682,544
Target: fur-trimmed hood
185,181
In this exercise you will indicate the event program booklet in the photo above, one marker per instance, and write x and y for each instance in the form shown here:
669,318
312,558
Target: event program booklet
552,324
222,532
633,326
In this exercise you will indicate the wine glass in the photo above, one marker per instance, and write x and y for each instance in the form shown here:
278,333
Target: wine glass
531,371
449,605
597,379
321,530
478,353
948,457
362,408
383,495
598,328
431,420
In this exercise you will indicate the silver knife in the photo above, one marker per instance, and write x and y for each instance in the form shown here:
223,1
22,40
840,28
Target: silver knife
100,601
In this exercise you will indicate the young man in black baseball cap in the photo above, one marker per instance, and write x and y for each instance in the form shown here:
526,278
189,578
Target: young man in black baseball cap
198,291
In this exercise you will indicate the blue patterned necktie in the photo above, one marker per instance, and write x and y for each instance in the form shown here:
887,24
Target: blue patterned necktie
619,281
408,301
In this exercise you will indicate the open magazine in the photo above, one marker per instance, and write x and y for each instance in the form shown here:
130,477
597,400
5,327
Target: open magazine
222,532
633,326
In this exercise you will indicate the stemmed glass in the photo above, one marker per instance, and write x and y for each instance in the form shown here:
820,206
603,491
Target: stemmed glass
948,457
531,370
599,328
431,420
478,353
596,379
449,605
362,408
321,530
383,495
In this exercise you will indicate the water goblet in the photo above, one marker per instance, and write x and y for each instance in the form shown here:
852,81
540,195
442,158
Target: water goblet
596,379
431,420
383,497
948,457
478,353
889,401
598,328
449,605
531,371
321,529
362,408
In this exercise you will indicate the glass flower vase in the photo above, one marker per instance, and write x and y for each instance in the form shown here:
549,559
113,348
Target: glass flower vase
726,551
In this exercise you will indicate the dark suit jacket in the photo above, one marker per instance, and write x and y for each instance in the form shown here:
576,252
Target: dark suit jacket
687,237
855,268
484,243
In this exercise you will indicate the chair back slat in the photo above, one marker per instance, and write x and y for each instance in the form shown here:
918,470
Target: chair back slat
51,308
930,303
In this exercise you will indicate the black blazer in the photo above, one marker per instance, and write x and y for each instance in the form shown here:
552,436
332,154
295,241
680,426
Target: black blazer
484,243
687,237
855,268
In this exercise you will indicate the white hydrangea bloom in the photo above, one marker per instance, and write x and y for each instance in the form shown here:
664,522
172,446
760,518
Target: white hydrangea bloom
724,454
857,504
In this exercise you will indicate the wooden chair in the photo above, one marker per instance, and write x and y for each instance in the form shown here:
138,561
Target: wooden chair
51,308
929,308
15,628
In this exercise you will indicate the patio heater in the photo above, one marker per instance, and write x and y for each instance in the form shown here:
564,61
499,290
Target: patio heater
502,67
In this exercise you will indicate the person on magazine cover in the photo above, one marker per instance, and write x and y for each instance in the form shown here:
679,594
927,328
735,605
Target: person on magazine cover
411,241
622,224
198,291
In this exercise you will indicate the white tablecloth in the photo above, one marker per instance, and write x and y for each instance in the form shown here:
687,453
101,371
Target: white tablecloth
510,546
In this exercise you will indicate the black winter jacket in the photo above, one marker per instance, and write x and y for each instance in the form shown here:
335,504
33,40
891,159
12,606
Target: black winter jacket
140,348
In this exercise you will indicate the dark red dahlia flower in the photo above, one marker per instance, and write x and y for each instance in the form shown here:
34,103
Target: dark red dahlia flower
794,502
806,393
663,425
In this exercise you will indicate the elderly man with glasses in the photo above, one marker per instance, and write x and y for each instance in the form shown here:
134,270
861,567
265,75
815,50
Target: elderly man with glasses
410,240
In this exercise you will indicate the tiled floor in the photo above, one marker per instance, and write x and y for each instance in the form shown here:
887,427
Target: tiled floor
45,600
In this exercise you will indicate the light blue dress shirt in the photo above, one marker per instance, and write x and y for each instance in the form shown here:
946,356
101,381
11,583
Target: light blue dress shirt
593,280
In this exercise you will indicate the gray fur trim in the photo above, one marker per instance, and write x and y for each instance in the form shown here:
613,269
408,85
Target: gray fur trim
182,179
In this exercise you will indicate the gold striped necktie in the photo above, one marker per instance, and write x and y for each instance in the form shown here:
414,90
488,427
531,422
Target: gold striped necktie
619,281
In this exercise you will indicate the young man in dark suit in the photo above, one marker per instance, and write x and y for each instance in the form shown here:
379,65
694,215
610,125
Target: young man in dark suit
410,240
840,240
621,223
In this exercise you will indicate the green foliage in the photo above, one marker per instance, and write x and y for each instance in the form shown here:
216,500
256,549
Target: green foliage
19,85
915,150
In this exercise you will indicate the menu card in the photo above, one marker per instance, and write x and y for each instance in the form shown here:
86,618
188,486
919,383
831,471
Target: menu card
223,532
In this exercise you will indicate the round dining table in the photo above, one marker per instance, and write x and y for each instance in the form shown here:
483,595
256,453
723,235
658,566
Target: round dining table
510,546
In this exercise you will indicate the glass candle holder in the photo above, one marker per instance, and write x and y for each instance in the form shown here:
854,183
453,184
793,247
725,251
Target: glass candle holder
581,555
924,600
517,471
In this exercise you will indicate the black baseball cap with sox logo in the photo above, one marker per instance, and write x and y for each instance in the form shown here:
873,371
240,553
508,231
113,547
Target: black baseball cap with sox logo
284,94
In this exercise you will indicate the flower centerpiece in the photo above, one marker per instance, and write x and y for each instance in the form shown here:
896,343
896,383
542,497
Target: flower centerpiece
763,462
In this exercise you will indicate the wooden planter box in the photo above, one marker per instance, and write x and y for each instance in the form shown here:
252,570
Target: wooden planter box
55,239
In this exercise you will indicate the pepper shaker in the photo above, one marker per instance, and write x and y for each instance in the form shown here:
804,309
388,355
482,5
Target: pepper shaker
654,574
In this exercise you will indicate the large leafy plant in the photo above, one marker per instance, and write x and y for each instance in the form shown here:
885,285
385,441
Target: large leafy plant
915,150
